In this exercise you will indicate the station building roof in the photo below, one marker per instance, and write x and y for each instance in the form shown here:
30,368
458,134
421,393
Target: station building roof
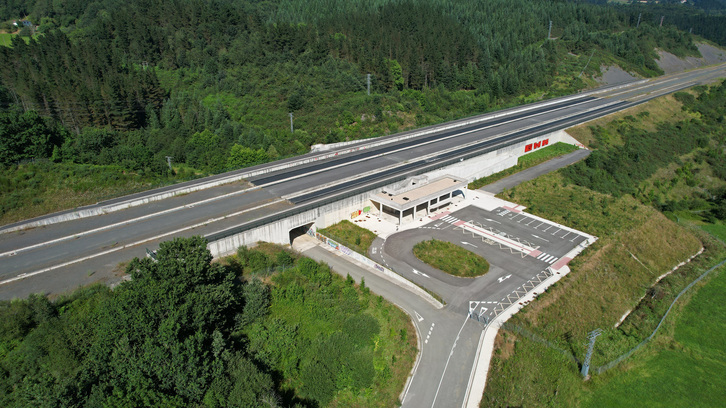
419,195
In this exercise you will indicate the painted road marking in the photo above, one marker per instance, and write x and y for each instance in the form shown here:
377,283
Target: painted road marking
503,278
545,230
533,220
558,230
490,220
418,316
466,243
540,238
429,334
420,273
568,233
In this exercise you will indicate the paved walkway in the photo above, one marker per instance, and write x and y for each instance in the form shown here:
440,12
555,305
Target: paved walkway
536,171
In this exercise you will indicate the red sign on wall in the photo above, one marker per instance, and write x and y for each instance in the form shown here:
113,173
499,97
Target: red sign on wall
537,145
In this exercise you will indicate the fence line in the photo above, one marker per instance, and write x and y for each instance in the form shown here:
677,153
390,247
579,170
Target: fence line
601,369
605,367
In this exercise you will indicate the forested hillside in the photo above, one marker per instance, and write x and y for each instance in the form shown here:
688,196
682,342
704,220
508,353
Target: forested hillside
210,83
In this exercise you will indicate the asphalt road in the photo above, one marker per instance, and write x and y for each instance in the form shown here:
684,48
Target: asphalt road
536,171
52,259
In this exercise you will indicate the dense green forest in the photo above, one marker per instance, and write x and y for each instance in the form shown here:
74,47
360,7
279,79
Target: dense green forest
187,332
121,85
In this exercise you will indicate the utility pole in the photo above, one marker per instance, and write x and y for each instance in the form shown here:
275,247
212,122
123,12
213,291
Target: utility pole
586,365
368,81
639,15
168,161
661,20
292,130
588,63
549,32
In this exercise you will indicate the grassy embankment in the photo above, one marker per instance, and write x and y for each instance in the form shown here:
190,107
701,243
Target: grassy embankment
354,237
451,258
637,244
34,189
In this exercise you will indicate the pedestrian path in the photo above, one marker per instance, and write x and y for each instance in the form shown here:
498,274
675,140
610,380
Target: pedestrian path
550,259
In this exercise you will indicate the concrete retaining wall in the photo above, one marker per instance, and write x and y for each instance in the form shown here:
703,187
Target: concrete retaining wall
377,268
279,232
502,159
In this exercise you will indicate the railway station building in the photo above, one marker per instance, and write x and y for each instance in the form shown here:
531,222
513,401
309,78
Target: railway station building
419,200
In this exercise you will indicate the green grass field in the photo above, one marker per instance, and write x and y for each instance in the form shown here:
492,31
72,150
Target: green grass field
5,39
687,370
718,230
451,258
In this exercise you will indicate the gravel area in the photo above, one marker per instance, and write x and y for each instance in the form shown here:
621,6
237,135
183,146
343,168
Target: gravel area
670,64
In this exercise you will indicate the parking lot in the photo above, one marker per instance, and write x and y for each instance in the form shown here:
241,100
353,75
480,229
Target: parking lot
521,248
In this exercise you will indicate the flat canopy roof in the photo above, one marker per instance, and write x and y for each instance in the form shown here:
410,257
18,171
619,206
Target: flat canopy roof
419,195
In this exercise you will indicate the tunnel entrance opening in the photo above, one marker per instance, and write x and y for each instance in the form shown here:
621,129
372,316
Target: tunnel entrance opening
300,231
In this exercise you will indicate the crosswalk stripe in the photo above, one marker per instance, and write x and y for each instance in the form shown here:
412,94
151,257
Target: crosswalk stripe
553,261
542,255
547,258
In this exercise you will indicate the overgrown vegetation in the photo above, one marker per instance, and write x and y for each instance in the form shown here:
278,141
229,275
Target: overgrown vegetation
617,200
451,258
216,93
186,332
347,233
524,162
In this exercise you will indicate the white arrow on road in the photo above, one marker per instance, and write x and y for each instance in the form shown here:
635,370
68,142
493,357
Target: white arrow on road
540,238
418,316
420,273
466,243
503,278
490,220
